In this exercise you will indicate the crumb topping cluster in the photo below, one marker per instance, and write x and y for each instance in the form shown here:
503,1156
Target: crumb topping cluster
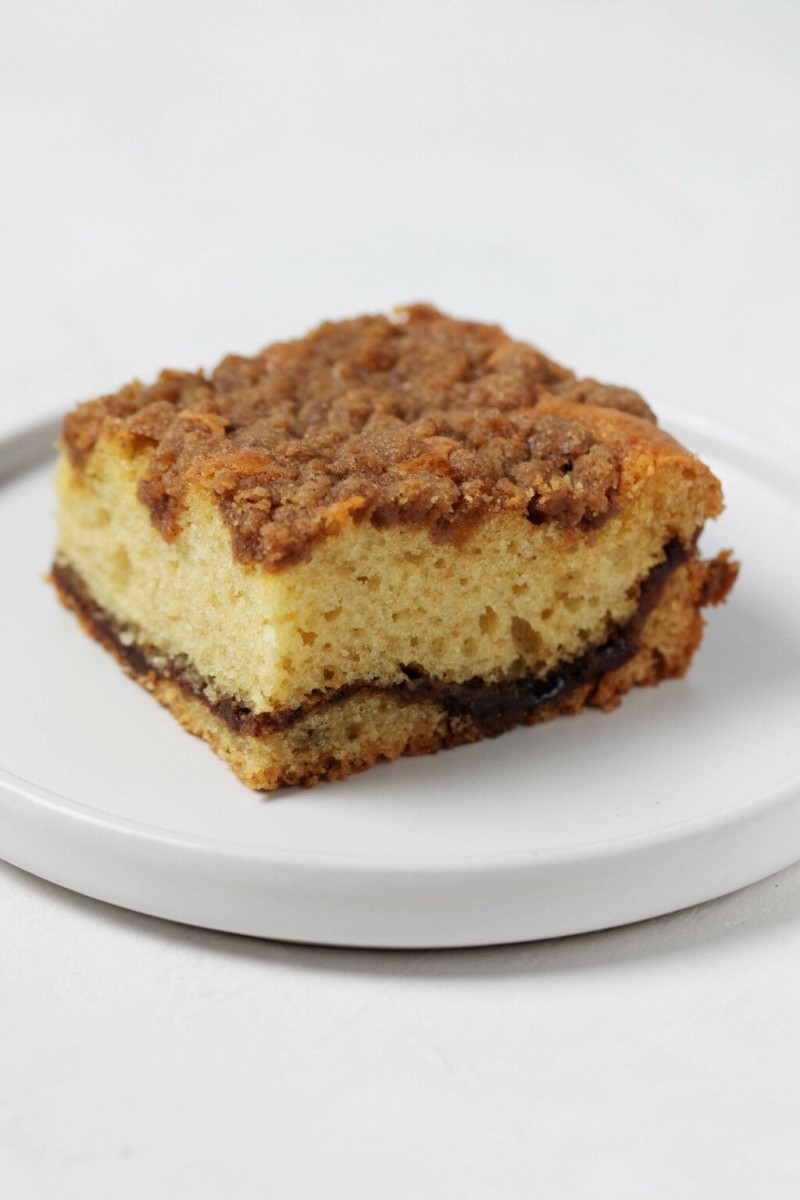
423,420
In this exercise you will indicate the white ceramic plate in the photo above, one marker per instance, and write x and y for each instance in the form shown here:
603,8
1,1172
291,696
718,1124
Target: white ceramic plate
688,791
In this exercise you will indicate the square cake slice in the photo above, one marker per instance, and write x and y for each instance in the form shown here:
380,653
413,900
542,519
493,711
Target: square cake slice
391,536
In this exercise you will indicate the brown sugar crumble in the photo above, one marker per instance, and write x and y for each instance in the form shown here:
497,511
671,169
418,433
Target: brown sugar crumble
423,420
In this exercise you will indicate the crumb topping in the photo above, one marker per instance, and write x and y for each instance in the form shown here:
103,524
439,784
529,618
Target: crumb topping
423,420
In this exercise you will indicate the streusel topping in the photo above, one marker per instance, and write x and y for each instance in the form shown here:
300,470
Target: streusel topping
423,420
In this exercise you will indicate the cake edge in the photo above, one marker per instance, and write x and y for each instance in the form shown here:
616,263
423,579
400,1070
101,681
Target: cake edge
376,724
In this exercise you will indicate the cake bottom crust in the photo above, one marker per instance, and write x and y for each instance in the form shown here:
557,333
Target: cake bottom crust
336,735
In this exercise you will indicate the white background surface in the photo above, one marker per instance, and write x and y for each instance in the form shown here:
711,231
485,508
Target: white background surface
618,182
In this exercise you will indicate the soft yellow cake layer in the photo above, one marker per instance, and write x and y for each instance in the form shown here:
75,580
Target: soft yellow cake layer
514,597
333,741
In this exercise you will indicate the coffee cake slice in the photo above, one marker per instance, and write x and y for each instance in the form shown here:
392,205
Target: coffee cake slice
391,536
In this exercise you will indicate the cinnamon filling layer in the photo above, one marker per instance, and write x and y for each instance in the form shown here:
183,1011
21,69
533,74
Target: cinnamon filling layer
493,706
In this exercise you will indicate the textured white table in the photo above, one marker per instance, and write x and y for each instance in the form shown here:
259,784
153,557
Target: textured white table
619,182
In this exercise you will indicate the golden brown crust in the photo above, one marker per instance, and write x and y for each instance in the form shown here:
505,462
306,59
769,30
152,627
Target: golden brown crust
423,420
